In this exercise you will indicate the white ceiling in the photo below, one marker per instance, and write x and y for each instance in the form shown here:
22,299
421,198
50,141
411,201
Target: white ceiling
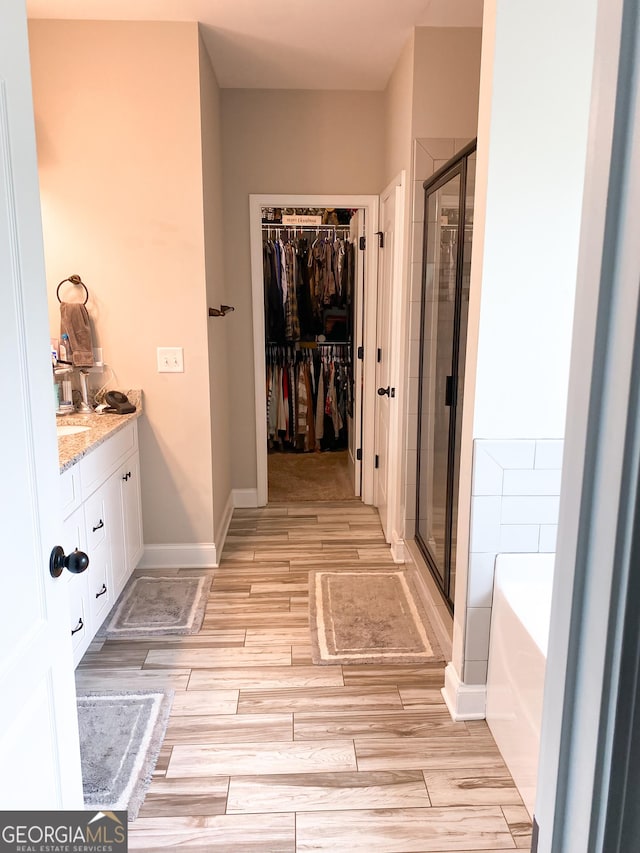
288,44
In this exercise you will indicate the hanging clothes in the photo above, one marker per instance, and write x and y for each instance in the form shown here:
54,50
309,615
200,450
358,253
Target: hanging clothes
309,280
305,285
308,396
274,318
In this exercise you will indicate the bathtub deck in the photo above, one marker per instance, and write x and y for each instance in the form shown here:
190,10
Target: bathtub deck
267,752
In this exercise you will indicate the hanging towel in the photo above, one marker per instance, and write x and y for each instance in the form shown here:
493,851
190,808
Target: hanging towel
74,321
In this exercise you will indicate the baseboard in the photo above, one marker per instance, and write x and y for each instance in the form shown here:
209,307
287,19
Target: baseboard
196,555
245,498
398,549
224,525
464,701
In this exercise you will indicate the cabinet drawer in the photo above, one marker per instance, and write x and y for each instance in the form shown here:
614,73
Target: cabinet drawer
78,615
99,593
73,533
70,491
96,516
102,461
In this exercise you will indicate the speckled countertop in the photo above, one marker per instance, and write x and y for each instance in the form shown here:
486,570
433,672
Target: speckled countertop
71,448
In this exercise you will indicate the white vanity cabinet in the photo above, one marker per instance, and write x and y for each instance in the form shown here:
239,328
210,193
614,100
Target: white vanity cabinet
131,509
100,496
73,536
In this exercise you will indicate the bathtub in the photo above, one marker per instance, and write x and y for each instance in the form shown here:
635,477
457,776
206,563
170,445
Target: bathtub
517,660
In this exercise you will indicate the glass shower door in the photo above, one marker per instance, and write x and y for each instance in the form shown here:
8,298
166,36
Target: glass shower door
445,297
438,312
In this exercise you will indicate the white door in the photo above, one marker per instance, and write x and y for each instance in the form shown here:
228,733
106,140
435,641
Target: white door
39,752
385,397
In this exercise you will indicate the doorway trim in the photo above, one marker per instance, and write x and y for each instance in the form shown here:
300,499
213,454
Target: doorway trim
396,348
370,204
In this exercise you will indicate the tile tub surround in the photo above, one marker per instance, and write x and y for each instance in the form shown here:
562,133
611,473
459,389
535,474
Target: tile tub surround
514,509
72,448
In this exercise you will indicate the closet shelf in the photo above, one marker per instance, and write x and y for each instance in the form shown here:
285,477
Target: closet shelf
308,344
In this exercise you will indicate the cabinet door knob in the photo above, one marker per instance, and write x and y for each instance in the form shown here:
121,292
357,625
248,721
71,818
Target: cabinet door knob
76,562
78,627
98,526
102,591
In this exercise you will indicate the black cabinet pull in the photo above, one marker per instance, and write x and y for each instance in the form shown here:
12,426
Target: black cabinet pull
126,476
102,591
79,627
99,525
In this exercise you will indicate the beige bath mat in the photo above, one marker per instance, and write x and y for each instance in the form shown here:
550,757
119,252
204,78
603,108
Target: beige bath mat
368,617
152,606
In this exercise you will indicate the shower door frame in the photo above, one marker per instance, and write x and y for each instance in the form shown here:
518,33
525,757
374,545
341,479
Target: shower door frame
457,166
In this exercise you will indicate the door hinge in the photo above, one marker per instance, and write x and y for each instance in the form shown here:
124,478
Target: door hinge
359,454
379,355
376,463
362,243
380,236
361,353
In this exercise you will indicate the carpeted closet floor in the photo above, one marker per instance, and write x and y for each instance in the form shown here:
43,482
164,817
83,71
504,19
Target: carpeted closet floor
310,477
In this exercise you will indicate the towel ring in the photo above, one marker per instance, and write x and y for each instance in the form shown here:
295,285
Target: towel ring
74,279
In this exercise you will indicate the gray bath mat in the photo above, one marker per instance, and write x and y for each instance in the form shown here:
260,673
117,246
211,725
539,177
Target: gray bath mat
150,606
120,738
368,617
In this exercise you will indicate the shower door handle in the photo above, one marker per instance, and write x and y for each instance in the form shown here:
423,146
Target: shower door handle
450,391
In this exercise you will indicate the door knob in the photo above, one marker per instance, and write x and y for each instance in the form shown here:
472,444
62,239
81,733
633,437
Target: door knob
389,391
76,562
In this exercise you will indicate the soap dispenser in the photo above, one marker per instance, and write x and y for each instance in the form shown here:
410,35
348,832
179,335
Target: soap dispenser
65,349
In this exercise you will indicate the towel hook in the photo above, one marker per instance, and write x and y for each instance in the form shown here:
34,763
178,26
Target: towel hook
73,279
221,311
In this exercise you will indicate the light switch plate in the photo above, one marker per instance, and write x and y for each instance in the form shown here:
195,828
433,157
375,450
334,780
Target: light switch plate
170,360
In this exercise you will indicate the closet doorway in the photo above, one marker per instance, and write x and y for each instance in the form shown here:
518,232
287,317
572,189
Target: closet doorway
311,272
448,235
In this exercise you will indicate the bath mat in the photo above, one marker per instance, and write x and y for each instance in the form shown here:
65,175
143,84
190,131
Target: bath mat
120,738
151,606
368,617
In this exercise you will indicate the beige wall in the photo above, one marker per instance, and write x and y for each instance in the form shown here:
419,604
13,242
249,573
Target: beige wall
284,142
215,287
446,81
398,99
118,128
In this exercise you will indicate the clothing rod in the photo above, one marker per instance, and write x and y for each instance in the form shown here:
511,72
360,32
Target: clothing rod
306,227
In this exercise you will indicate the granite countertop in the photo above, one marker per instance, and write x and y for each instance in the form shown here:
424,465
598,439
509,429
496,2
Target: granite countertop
72,448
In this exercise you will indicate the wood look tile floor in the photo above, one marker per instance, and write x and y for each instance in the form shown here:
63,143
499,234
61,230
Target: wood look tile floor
266,752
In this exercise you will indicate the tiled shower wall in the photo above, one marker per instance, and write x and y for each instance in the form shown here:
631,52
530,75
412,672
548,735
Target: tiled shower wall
514,509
